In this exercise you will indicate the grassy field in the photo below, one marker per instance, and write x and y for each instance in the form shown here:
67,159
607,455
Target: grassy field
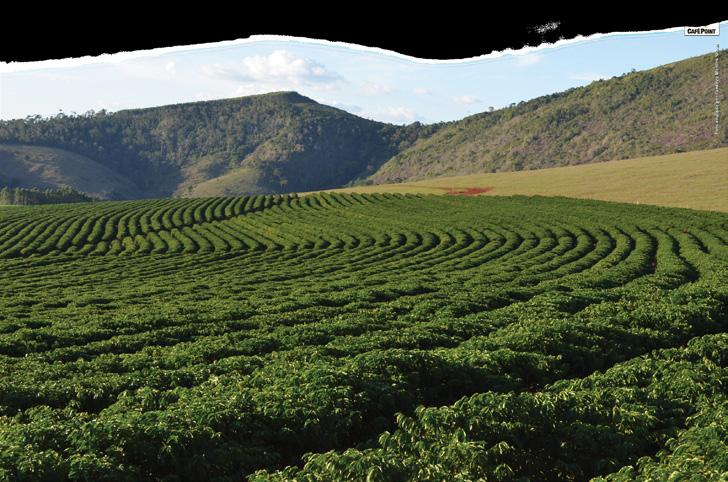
696,180
46,167
390,337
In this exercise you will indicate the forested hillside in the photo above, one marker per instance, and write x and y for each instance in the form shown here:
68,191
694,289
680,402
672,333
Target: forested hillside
659,111
285,142
267,143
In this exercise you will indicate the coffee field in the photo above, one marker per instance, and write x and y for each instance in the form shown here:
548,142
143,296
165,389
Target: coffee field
378,337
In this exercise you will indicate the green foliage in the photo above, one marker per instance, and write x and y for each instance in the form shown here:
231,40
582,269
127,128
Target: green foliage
664,110
285,142
362,337
289,141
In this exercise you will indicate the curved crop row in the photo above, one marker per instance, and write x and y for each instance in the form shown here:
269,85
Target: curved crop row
362,337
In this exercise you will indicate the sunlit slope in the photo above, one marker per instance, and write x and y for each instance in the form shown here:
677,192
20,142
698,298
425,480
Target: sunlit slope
664,110
696,180
47,167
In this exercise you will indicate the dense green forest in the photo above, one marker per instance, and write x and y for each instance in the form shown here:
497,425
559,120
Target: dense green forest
380,337
21,196
275,142
285,142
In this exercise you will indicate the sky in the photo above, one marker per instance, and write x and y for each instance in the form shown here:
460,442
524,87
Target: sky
371,83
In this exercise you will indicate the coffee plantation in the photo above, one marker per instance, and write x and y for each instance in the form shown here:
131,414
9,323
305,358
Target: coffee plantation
358,337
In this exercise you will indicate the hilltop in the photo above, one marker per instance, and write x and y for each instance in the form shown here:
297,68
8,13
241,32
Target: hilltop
266,143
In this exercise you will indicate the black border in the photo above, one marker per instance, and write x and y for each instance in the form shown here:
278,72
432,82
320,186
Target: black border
424,32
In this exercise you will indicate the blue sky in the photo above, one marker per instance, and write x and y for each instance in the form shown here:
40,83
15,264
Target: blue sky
374,84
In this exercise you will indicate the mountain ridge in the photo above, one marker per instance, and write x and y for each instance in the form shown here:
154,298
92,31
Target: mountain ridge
286,142
666,109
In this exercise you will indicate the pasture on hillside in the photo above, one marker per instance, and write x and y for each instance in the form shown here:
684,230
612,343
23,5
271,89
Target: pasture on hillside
695,180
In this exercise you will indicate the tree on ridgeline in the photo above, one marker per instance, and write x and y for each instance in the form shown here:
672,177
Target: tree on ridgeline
19,196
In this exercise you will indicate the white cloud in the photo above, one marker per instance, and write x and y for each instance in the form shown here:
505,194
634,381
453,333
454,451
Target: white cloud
395,115
282,64
422,91
586,76
280,70
528,59
375,88
466,100
171,68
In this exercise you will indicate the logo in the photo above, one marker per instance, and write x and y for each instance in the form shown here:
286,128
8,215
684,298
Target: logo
709,30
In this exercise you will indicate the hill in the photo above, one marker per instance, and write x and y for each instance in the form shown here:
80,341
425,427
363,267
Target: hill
285,142
264,143
697,180
659,111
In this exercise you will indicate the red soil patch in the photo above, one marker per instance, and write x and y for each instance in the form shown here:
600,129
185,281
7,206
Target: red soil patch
468,191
